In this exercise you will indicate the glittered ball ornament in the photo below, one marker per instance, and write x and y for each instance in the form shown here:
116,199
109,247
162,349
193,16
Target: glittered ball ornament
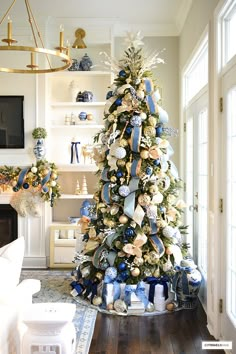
156,162
144,199
122,266
149,131
113,179
124,191
135,272
120,153
120,163
168,232
97,300
120,306
111,272
136,121
123,142
138,261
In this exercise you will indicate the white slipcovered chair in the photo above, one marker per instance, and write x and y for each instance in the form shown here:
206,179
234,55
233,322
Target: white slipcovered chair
14,295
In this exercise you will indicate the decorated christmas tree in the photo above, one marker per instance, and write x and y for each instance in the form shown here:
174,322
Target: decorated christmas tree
136,237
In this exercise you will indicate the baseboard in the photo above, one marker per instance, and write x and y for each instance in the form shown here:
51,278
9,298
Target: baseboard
34,262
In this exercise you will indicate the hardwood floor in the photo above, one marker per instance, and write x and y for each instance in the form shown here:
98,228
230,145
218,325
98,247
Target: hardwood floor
181,332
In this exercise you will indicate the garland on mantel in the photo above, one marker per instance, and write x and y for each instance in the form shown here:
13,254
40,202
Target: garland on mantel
40,177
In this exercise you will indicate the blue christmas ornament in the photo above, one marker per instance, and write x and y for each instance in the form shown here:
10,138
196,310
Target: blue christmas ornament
16,188
149,170
124,275
159,130
35,183
118,101
86,203
136,121
156,162
26,185
128,130
119,174
129,232
83,116
122,73
109,95
122,266
84,211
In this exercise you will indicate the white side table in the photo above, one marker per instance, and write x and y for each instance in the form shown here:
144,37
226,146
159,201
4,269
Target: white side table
49,329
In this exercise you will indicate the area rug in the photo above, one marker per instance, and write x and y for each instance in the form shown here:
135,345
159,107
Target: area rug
55,287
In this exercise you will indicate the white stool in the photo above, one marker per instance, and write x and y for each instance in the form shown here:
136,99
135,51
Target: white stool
49,329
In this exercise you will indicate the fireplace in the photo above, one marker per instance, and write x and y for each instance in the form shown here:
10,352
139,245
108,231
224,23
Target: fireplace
8,224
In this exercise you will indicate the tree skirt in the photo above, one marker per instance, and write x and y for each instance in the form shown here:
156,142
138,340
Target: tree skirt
55,287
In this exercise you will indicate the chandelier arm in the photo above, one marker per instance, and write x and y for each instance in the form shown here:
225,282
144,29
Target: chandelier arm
32,19
63,56
9,9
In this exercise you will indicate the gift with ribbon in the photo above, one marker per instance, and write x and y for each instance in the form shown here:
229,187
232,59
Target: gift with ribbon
110,290
153,282
139,291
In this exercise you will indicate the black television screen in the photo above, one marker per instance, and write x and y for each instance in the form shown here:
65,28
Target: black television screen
12,122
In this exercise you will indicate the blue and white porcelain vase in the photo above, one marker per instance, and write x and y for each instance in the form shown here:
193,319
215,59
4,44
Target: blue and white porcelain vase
39,149
186,283
85,63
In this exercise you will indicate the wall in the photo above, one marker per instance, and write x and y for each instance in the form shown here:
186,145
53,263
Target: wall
166,75
197,20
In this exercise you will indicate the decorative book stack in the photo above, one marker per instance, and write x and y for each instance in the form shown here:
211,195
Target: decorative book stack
136,307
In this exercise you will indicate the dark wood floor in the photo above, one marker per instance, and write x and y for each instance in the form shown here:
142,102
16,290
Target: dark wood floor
181,332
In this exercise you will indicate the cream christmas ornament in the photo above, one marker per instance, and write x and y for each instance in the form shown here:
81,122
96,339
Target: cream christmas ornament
135,272
120,306
114,209
143,116
34,169
97,300
123,219
144,154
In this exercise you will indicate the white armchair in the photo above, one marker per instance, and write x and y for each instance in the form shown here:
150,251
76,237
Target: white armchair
14,296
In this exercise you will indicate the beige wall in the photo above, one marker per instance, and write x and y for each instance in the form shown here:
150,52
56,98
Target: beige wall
198,18
167,76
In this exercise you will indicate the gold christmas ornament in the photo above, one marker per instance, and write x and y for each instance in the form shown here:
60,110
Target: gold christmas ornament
99,276
138,261
149,131
97,300
146,229
170,307
135,272
113,179
169,250
123,142
144,199
144,154
120,163
152,121
111,223
157,273
114,209
110,307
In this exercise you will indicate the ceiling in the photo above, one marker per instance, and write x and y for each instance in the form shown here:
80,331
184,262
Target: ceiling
164,17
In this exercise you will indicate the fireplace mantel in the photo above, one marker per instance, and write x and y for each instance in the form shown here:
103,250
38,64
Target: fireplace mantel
33,230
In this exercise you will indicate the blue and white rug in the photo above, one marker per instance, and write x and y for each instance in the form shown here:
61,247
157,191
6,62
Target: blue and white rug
55,287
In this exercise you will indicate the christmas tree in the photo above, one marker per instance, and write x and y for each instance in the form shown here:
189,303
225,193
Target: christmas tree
137,232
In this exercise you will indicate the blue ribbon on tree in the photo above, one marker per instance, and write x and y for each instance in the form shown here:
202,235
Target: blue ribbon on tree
74,146
153,281
44,181
21,177
151,99
139,292
181,273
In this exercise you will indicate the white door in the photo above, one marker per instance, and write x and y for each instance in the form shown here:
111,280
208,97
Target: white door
197,183
228,170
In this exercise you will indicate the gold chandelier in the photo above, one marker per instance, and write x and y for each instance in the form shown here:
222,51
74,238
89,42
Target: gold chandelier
61,52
